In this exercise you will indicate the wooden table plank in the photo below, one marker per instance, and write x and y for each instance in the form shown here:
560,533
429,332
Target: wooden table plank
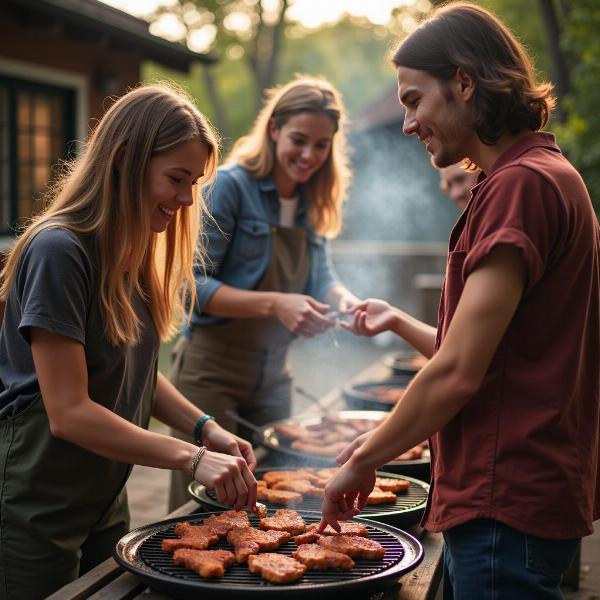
124,587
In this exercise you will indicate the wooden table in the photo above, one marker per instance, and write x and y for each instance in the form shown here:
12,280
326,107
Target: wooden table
108,581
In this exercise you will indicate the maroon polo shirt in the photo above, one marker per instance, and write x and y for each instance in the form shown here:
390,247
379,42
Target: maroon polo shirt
524,449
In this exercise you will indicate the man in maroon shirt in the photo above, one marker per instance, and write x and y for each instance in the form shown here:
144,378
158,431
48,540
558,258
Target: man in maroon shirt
510,397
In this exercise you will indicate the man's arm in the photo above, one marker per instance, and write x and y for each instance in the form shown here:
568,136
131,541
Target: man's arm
489,300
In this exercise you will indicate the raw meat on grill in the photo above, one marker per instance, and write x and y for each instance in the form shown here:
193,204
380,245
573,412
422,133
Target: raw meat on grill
387,484
284,519
319,558
249,540
227,520
278,496
352,545
207,563
276,568
347,528
378,496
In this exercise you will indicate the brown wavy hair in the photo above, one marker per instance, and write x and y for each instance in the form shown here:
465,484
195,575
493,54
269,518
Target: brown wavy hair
92,199
507,96
326,189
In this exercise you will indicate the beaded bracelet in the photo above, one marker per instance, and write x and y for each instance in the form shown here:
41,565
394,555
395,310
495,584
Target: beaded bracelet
196,459
199,425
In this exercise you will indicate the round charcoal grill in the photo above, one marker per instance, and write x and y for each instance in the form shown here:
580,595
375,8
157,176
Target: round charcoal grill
140,552
405,511
268,437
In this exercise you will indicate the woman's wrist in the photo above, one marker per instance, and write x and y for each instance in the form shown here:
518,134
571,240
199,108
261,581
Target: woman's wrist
203,424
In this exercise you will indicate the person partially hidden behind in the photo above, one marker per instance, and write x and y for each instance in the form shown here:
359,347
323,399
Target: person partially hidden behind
510,397
457,183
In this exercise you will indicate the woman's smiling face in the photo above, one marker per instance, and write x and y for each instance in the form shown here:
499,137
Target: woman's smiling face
302,145
170,179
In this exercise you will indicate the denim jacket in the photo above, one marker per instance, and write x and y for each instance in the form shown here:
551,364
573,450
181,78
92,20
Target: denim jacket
238,243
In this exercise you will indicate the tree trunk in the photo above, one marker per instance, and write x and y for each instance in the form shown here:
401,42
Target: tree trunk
221,118
560,73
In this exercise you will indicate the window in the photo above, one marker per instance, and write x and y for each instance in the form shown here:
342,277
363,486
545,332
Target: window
36,128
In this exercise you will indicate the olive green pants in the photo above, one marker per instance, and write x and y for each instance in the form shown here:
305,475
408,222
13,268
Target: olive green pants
61,508
219,377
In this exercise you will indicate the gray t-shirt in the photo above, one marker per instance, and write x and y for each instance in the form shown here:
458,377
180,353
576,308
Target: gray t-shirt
56,289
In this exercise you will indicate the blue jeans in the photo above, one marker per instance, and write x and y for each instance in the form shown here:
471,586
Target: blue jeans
488,560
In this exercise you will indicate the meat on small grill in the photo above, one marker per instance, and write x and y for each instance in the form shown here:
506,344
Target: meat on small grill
273,477
319,558
378,496
352,545
227,520
284,519
276,568
346,529
198,537
207,563
387,484
332,449
248,540
302,486
278,496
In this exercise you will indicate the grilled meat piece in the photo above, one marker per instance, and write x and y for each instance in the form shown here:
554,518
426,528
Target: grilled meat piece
278,496
387,484
249,540
198,537
306,538
291,431
192,543
332,449
207,563
276,568
319,558
273,477
347,529
378,496
284,519
352,545
294,485
227,520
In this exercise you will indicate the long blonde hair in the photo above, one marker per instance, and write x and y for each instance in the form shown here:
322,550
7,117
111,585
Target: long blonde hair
100,194
326,189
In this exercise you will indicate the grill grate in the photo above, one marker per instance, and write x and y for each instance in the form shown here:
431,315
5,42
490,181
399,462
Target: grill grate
406,510
239,575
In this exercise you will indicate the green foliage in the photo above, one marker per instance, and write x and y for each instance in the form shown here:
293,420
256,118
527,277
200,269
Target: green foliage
580,135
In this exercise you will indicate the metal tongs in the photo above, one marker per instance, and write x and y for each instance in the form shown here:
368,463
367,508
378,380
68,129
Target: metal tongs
338,317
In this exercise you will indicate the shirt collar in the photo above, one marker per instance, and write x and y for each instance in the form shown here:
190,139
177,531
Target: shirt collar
267,185
538,139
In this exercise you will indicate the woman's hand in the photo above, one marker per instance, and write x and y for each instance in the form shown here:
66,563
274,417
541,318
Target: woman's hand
229,476
345,496
372,317
348,451
301,314
217,439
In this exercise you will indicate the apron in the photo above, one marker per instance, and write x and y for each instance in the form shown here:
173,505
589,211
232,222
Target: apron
62,508
241,365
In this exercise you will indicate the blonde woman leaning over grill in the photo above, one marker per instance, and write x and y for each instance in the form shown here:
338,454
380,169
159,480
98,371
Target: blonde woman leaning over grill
91,287
269,275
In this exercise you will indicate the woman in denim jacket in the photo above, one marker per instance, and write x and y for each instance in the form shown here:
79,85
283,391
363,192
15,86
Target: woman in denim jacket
269,276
